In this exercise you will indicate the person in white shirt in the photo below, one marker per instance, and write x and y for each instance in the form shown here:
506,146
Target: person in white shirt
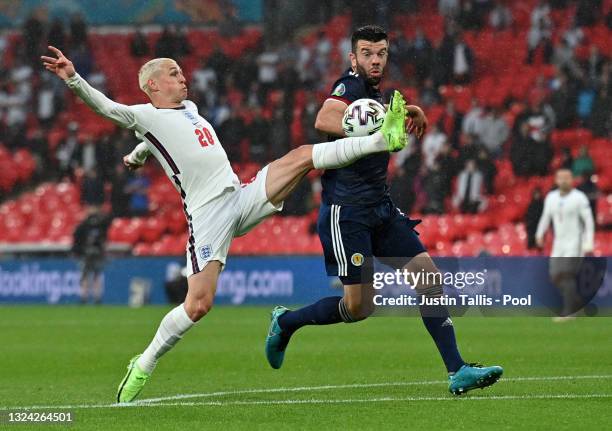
569,210
217,206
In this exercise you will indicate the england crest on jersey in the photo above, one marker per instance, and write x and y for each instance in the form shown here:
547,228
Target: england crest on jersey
205,252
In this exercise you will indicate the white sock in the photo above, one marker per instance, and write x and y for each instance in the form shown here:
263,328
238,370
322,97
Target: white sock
343,152
170,331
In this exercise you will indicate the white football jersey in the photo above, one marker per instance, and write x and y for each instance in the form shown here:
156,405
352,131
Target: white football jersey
183,142
572,222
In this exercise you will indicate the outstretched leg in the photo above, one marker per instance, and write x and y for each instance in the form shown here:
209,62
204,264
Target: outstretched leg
199,301
285,173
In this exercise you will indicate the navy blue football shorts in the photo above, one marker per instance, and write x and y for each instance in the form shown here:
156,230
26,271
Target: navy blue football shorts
352,234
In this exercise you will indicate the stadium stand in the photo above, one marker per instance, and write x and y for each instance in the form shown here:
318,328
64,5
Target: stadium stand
517,89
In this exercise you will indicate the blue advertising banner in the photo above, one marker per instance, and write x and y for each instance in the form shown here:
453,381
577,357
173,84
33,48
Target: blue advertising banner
299,280
131,12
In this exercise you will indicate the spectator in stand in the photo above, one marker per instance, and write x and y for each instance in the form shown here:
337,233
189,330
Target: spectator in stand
280,139
78,30
13,112
487,167
567,160
37,143
588,12
57,35
432,144
97,79
33,31
494,133
540,33
309,116
221,112
82,59
434,185
421,54
322,49
451,121
167,43
463,61
528,155
448,167
565,59
137,188
267,75
66,151
231,134
204,82
259,134
183,46
444,58
469,16
593,65
139,45
500,18
46,102
300,202
590,189
449,8
89,246
583,164
473,119
429,94
564,101
92,189
119,199
532,217
600,116
468,197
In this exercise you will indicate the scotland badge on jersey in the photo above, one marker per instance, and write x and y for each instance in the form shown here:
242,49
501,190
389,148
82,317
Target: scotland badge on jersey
205,252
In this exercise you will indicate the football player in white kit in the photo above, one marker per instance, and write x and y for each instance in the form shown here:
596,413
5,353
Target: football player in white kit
216,205
570,212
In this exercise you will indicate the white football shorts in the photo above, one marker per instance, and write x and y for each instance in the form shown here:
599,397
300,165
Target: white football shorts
234,213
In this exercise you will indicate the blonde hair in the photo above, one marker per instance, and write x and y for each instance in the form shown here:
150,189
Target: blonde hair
148,70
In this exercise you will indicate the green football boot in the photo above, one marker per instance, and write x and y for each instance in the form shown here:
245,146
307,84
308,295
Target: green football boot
472,376
394,124
132,383
276,343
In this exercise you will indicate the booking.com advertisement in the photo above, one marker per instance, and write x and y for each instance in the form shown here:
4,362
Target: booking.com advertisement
487,286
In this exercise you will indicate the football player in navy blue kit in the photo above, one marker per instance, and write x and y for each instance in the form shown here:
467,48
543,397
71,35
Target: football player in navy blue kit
358,220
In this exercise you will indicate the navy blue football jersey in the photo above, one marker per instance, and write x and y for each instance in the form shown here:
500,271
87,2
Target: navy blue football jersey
365,181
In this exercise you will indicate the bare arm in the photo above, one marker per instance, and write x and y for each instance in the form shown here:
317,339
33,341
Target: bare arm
329,118
98,102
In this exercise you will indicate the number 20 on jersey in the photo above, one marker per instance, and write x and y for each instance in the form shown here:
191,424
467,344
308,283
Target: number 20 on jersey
205,138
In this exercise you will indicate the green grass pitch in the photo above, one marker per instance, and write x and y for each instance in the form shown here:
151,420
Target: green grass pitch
383,373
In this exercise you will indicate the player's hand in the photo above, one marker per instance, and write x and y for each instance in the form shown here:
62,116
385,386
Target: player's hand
417,121
540,242
130,164
61,66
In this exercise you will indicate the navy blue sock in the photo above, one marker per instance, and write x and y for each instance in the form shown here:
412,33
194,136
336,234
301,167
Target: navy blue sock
440,327
323,312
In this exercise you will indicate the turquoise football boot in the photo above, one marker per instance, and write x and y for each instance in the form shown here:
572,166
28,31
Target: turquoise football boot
472,376
276,343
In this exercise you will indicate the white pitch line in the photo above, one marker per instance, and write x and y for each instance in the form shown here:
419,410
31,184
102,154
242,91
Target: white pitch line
377,400
354,386
160,400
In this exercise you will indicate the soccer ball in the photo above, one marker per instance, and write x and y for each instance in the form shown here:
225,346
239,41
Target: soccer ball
363,117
